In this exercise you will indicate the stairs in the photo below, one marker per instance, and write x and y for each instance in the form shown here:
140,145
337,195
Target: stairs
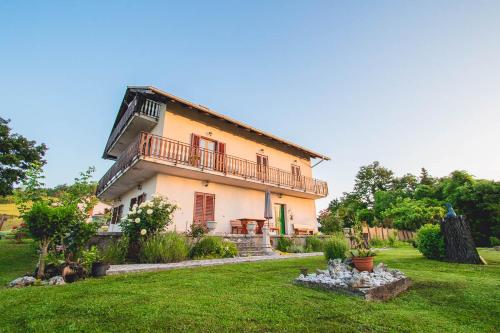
248,248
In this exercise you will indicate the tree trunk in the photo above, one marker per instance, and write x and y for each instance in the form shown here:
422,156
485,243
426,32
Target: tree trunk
44,245
459,245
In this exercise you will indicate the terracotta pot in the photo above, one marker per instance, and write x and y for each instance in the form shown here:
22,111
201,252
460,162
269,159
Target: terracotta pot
363,263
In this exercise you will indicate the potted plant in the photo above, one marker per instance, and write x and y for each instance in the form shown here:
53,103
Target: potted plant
99,265
362,255
211,225
363,259
251,226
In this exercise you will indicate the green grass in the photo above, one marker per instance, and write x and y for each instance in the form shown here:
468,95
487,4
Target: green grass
255,297
11,210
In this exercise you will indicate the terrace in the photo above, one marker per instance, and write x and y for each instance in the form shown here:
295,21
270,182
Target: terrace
149,154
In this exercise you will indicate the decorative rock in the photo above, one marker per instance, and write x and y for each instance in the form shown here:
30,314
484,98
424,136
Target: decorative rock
56,281
379,284
24,281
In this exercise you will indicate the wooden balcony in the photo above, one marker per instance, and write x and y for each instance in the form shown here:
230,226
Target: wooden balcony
149,154
141,115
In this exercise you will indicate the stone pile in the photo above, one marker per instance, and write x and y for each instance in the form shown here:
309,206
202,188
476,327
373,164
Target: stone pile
382,283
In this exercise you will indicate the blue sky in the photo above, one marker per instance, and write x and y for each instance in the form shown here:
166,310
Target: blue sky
408,83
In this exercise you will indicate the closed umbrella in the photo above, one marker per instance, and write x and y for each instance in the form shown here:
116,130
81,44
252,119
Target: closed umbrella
268,212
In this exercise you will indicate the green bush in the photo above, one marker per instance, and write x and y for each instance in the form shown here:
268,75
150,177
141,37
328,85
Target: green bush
494,241
164,248
314,244
284,243
377,242
213,247
335,247
430,241
295,248
116,252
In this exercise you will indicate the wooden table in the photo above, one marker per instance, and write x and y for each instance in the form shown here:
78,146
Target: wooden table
245,220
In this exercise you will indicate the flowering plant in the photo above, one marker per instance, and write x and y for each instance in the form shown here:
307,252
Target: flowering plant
148,218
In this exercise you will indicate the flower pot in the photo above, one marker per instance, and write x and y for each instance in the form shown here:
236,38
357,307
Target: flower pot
363,263
251,226
99,269
211,225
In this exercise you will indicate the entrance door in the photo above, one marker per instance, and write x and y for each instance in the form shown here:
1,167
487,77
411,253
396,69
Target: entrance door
279,213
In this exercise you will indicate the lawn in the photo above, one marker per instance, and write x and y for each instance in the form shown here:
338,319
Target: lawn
253,297
11,210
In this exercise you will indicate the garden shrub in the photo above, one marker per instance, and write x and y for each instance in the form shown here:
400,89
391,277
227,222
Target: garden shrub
88,257
314,244
430,241
377,242
164,248
116,252
284,243
148,218
213,247
296,248
494,241
335,247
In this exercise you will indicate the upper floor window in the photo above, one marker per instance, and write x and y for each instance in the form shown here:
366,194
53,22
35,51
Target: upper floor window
208,153
296,171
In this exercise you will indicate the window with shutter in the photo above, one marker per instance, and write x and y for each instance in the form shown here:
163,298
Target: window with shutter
133,201
114,215
204,208
194,155
221,157
209,207
262,163
141,198
120,213
198,208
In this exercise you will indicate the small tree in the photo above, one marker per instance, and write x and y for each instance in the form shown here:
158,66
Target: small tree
45,224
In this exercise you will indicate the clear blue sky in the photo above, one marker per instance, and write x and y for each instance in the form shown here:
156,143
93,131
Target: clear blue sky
408,83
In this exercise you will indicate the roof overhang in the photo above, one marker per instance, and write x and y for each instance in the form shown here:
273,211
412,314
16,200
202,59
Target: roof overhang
149,90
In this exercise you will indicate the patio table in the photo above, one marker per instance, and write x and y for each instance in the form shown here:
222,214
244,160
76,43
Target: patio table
245,220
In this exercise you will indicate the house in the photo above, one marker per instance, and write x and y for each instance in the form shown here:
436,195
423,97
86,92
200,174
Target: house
214,167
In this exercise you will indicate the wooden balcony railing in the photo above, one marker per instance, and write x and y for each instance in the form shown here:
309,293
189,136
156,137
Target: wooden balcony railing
139,105
161,148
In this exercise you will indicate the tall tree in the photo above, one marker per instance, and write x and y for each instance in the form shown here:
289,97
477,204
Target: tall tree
370,179
17,154
425,178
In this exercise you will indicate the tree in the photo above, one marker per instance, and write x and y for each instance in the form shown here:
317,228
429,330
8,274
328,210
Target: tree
370,179
425,178
330,222
17,154
411,214
46,223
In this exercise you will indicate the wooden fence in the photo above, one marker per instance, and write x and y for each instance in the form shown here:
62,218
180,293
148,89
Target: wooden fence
384,233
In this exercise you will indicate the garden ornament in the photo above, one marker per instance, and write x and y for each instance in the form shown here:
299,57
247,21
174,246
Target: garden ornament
451,212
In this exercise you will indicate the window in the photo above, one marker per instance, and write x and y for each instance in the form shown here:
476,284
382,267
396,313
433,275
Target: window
207,153
296,172
262,165
204,208
137,201
117,214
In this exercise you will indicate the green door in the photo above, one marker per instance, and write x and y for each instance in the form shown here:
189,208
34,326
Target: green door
279,213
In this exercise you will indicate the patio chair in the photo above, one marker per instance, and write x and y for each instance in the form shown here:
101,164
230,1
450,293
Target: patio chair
236,226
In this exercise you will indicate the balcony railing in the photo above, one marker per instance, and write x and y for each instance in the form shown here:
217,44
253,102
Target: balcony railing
137,106
152,146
